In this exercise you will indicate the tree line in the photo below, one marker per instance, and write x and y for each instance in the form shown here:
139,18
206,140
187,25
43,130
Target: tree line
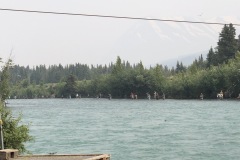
220,71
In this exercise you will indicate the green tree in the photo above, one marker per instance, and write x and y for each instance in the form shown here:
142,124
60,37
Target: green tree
118,67
157,82
70,88
180,67
211,58
4,81
227,44
15,135
117,79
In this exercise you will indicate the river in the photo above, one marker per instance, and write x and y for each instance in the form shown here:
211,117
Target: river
133,129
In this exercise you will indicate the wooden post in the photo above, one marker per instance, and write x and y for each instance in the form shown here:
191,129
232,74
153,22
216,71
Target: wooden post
1,133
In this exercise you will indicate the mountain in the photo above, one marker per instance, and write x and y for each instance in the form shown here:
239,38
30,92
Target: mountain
185,59
158,41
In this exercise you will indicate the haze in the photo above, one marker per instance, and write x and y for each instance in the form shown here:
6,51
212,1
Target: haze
35,39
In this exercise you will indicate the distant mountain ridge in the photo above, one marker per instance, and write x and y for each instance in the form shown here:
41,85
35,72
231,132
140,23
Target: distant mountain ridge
155,42
186,59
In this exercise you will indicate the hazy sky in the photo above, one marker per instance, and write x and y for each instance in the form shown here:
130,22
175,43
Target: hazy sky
48,39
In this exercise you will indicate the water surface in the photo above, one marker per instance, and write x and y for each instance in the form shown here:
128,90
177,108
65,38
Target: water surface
133,129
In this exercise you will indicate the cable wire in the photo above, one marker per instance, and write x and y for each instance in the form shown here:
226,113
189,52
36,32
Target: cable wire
118,17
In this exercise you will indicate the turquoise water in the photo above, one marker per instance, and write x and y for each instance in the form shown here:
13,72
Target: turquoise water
133,129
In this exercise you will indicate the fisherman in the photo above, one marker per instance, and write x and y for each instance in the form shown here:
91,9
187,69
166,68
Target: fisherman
163,96
148,96
136,97
221,92
155,95
109,96
201,96
238,96
132,95
220,95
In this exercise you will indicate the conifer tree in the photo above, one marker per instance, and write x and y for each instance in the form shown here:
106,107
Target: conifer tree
227,44
211,58
118,67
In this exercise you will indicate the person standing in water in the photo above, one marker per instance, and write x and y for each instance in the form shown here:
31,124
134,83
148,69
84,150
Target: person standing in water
201,96
132,95
163,96
238,96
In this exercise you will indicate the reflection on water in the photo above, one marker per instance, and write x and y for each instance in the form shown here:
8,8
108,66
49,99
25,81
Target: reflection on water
133,129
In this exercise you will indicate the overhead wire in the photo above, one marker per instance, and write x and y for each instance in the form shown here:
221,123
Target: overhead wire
116,17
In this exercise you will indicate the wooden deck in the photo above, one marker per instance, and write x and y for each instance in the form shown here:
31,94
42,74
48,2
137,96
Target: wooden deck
12,154
66,157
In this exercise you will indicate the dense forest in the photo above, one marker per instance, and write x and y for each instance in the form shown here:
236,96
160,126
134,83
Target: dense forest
220,71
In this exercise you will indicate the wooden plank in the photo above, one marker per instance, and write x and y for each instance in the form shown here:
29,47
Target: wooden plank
101,157
66,157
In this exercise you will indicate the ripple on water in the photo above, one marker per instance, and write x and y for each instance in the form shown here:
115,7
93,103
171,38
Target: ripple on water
133,129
